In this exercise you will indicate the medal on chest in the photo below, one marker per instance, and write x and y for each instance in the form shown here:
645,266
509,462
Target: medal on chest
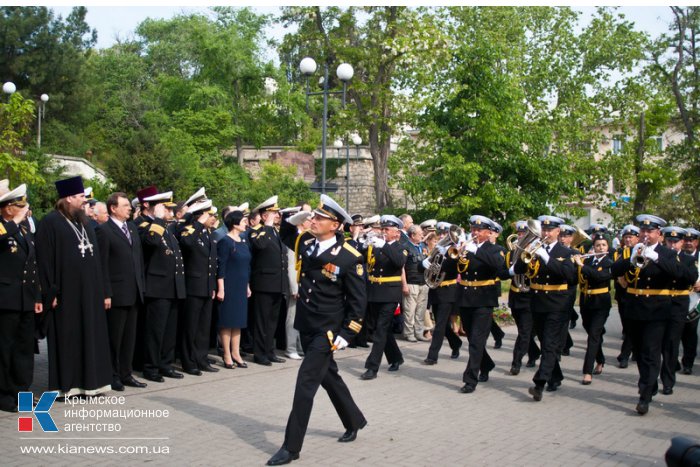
331,271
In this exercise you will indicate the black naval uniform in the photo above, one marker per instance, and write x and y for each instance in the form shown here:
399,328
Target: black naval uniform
384,294
689,337
549,304
621,299
332,298
19,292
594,279
479,291
680,302
199,255
165,287
647,308
519,304
443,299
269,283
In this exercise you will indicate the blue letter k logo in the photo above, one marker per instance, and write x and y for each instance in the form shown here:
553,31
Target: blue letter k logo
41,411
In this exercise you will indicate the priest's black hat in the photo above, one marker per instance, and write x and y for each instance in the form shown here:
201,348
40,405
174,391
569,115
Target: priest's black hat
70,186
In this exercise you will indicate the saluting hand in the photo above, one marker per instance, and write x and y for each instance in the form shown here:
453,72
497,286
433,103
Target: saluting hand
21,215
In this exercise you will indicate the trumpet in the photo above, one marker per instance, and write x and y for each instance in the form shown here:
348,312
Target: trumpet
638,259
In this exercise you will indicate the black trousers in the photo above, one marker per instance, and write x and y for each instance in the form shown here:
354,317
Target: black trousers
318,369
16,355
549,327
477,324
383,339
672,342
196,325
525,341
594,324
647,341
496,330
626,347
161,331
267,310
121,324
689,338
368,326
441,312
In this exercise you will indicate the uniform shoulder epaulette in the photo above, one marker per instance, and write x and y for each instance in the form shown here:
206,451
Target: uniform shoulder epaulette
189,230
351,249
257,227
143,225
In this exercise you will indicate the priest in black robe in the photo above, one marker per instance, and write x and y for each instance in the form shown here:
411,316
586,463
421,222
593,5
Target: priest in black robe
71,283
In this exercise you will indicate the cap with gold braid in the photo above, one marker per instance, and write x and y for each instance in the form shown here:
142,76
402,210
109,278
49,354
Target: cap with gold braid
17,197
330,209
165,198
270,204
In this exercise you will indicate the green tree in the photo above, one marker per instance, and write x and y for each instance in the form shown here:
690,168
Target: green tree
16,118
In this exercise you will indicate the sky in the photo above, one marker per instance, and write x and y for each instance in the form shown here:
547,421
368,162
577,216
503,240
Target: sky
120,22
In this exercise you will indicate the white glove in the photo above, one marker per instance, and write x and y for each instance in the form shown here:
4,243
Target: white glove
159,211
651,254
542,253
635,252
377,242
426,263
511,271
471,248
339,343
462,238
299,218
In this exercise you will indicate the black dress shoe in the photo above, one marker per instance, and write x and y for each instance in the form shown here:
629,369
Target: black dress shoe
551,387
515,369
498,344
395,366
153,377
430,361
566,352
240,364
282,457
173,374
667,391
369,374
642,408
455,354
117,385
483,377
531,363
209,369
467,389
192,371
277,360
263,362
536,393
572,324
687,370
351,435
363,345
131,381
229,366
624,363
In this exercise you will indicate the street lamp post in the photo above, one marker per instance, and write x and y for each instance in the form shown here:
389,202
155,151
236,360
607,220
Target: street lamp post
344,73
42,108
9,88
356,140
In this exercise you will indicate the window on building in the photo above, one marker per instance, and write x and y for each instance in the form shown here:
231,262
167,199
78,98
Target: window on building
617,143
659,142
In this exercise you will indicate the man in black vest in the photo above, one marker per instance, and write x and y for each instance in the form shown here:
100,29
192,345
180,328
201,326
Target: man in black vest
551,272
19,297
124,286
386,257
165,286
268,282
651,269
199,255
479,265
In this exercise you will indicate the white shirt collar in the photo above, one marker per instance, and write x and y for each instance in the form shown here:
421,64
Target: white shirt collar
118,222
324,245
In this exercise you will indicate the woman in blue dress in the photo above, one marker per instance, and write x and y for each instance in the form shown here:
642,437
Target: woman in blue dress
233,291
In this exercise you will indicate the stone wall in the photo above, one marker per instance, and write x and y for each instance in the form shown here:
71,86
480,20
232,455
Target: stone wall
73,166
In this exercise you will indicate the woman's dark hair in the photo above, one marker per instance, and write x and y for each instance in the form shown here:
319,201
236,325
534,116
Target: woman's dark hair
233,218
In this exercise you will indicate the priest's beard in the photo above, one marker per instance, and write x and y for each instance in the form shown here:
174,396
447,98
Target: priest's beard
71,213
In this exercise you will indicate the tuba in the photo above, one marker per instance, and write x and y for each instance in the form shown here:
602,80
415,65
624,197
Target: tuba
694,308
579,237
532,240
519,280
446,246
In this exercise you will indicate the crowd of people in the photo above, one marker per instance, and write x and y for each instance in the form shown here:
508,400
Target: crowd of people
138,284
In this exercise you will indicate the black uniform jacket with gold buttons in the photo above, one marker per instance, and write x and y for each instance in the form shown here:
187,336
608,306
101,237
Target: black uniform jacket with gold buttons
19,280
268,269
622,252
517,299
199,254
550,283
384,266
447,291
681,286
594,282
479,284
165,271
648,295
332,290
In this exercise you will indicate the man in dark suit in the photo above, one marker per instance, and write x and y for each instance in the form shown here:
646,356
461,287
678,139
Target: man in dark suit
165,286
652,268
689,336
199,254
124,286
480,288
551,273
386,257
268,282
20,298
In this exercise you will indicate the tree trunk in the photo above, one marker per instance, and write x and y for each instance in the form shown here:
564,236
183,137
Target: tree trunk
643,187
380,157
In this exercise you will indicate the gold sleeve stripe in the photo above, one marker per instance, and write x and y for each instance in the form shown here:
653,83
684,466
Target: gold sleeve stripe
159,229
354,326
351,249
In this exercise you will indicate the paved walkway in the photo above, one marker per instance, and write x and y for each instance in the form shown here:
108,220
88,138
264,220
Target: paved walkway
416,417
